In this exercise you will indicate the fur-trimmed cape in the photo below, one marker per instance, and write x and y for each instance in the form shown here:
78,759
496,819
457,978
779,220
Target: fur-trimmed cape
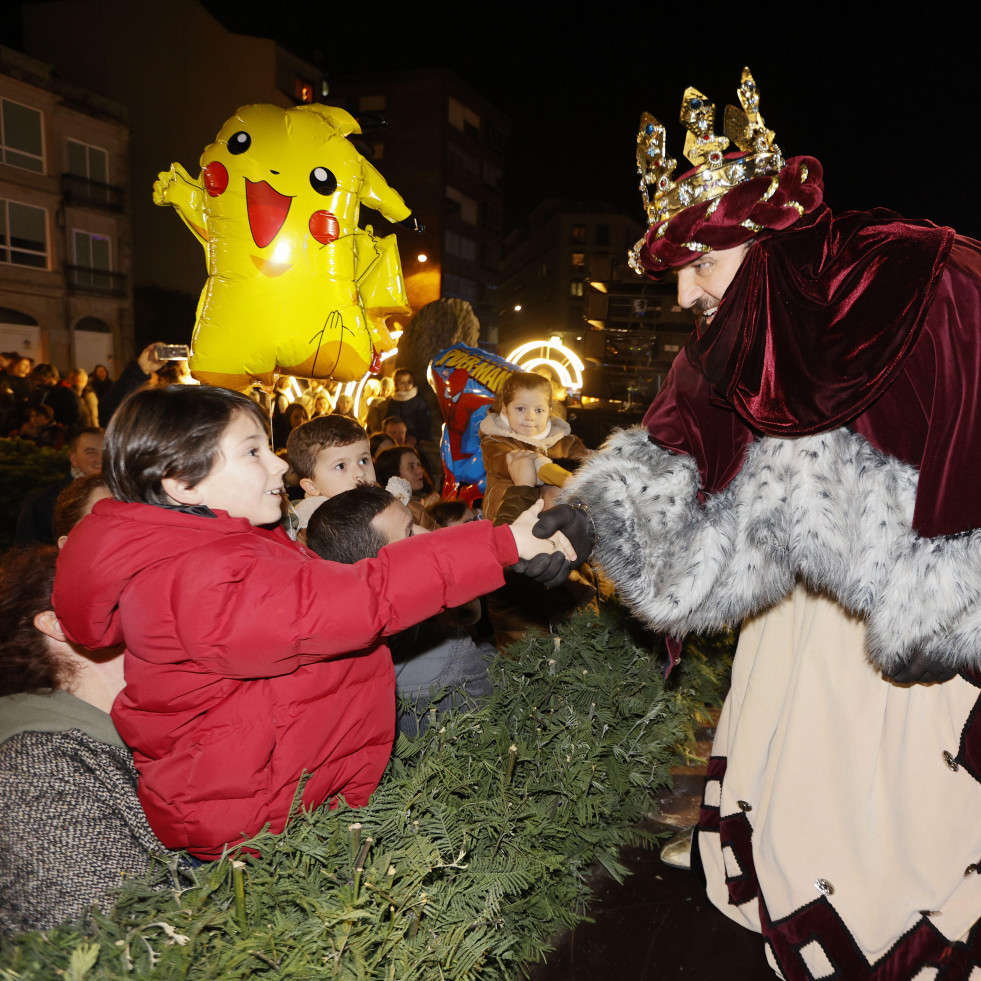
830,510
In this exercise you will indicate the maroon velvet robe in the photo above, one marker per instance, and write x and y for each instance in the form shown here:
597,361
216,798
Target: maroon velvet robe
783,363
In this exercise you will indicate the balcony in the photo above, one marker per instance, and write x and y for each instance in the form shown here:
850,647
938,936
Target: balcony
82,279
86,193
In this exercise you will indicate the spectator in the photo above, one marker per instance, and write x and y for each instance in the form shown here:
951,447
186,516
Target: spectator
100,381
75,502
295,415
330,455
395,429
239,683
135,375
35,523
41,428
72,825
436,666
410,406
378,406
405,462
47,391
78,382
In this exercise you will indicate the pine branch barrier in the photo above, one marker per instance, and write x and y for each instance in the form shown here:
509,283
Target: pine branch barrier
471,857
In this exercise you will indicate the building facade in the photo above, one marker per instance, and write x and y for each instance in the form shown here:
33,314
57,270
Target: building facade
441,146
65,244
180,75
565,276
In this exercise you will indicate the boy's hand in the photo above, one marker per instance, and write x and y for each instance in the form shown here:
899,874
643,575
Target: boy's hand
573,523
547,560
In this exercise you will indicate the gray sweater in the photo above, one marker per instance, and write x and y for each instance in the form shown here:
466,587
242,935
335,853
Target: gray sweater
70,822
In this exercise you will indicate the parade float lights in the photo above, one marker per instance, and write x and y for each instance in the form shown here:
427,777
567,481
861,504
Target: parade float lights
566,364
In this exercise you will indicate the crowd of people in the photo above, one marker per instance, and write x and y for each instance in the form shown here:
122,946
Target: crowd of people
227,615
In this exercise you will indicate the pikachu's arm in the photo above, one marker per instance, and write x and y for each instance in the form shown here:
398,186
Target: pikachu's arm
176,187
376,193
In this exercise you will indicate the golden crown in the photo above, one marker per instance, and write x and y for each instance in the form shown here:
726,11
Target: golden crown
714,174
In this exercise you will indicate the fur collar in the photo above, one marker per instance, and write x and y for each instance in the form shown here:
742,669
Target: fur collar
495,424
405,396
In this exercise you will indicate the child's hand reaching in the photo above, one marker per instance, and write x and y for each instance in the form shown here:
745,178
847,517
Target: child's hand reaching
547,560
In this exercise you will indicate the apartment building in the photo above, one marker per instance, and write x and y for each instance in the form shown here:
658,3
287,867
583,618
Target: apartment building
65,247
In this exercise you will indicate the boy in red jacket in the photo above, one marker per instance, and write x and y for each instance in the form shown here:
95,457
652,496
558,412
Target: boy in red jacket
249,660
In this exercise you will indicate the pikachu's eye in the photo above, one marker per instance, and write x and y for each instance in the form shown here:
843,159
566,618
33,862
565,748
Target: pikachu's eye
322,180
239,142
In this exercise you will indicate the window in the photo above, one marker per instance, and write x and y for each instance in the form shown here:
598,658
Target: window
93,260
575,289
88,161
458,286
20,134
461,204
460,245
302,90
602,234
578,262
492,175
579,233
461,160
23,235
464,119
492,217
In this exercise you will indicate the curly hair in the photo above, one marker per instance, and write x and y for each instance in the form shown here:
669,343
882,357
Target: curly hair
73,503
26,661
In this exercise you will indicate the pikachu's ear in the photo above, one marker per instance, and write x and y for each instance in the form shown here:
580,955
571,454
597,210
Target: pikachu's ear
340,119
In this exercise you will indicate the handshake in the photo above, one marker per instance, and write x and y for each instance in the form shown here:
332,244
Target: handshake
569,531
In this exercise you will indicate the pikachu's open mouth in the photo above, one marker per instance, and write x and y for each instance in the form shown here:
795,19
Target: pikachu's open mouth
267,210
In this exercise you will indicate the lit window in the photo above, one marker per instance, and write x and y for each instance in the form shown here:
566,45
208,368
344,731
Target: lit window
575,289
20,136
578,261
23,235
302,90
579,233
461,204
464,119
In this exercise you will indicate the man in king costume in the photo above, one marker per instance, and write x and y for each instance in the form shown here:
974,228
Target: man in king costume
812,467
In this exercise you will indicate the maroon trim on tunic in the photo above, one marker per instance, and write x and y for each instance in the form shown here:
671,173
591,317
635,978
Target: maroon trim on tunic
921,946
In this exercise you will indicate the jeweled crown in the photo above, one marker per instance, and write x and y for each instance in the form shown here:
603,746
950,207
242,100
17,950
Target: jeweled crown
714,172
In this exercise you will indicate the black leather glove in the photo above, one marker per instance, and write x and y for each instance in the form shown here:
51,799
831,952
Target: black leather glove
550,570
922,670
574,523
412,223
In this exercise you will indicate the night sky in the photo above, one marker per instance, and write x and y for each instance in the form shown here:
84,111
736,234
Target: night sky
887,103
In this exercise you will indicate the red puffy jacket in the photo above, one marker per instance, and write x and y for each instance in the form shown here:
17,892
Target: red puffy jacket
250,661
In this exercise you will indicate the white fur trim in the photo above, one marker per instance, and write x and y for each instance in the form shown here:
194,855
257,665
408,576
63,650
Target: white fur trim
828,509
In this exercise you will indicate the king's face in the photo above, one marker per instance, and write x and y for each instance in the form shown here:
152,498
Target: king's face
703,282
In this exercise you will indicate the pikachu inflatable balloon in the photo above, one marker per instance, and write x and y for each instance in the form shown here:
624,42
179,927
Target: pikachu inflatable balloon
294,285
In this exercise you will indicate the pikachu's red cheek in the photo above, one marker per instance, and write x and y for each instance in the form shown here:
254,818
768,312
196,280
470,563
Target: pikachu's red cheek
215,178
324,227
